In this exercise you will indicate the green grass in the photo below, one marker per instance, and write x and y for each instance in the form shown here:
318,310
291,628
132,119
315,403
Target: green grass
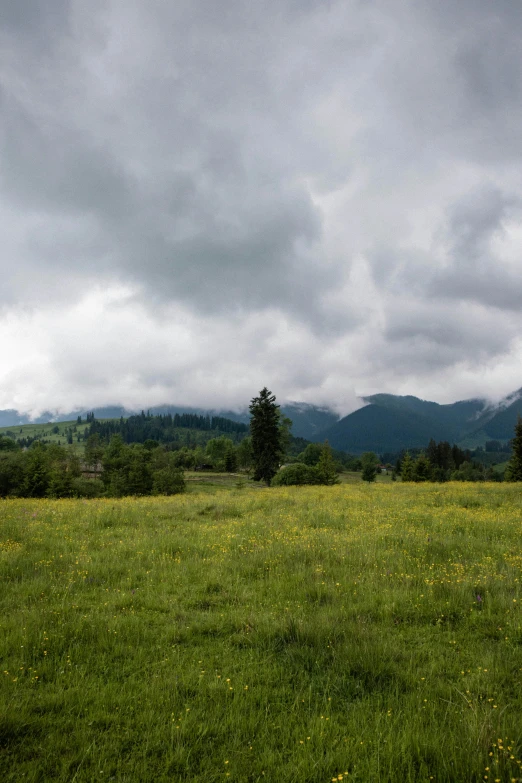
211,482
362,633
45,432
355,477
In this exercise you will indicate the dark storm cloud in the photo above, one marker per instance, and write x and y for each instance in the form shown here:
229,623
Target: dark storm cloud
165,147
352,166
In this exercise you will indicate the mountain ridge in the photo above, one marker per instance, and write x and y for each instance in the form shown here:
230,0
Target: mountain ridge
387,423
390,423
308,420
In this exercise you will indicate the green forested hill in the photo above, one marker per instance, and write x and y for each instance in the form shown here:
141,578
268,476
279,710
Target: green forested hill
308,420
391,423
388,423
184,429
376,428
500,426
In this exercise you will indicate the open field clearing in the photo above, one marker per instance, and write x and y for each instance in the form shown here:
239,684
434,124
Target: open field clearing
356,633
211,481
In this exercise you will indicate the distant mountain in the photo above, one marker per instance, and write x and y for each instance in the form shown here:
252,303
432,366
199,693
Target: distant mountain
10,418
307,420
380,429
387,423
498,423
390,423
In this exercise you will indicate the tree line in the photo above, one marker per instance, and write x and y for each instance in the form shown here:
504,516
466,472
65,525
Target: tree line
182,429
162,428
115,470
121,458
442,462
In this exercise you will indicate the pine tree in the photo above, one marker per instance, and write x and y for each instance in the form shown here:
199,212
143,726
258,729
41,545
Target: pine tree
369,462
266,436
326,466
407,467
230,459
421,469
514,467
432,453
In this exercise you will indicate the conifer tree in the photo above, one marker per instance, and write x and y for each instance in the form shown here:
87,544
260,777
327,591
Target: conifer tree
326,466
230,459
407,467
421,469
514,467
369,462
266,435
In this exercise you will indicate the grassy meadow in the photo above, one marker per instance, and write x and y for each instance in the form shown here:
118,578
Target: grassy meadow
46,432
356,633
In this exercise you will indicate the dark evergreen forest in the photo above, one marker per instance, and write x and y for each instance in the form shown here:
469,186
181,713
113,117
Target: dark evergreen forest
163,429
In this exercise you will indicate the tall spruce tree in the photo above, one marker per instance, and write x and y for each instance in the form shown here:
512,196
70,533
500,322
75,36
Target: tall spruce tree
267,447
514,467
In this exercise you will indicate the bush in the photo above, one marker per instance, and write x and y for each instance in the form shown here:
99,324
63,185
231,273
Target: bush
168,481
296,474
87,488
468,472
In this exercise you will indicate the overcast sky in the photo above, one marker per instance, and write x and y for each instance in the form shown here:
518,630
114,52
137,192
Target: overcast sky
200,198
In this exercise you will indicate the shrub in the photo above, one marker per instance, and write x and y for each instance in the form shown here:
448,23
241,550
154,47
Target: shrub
87,488
296,474
168,481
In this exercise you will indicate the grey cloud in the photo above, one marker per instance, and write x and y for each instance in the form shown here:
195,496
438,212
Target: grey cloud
36,20
476,218
245,157
473,270
186,197
56,170
436,336
452,84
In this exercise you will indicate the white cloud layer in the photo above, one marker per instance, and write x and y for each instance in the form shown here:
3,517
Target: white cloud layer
198,199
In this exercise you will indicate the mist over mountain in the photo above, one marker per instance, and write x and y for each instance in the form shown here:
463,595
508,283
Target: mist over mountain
387,423
391,423
308,421
497,423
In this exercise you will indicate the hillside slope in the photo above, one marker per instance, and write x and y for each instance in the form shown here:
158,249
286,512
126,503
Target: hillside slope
392,423
380,429
499,423
308,421
387,423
